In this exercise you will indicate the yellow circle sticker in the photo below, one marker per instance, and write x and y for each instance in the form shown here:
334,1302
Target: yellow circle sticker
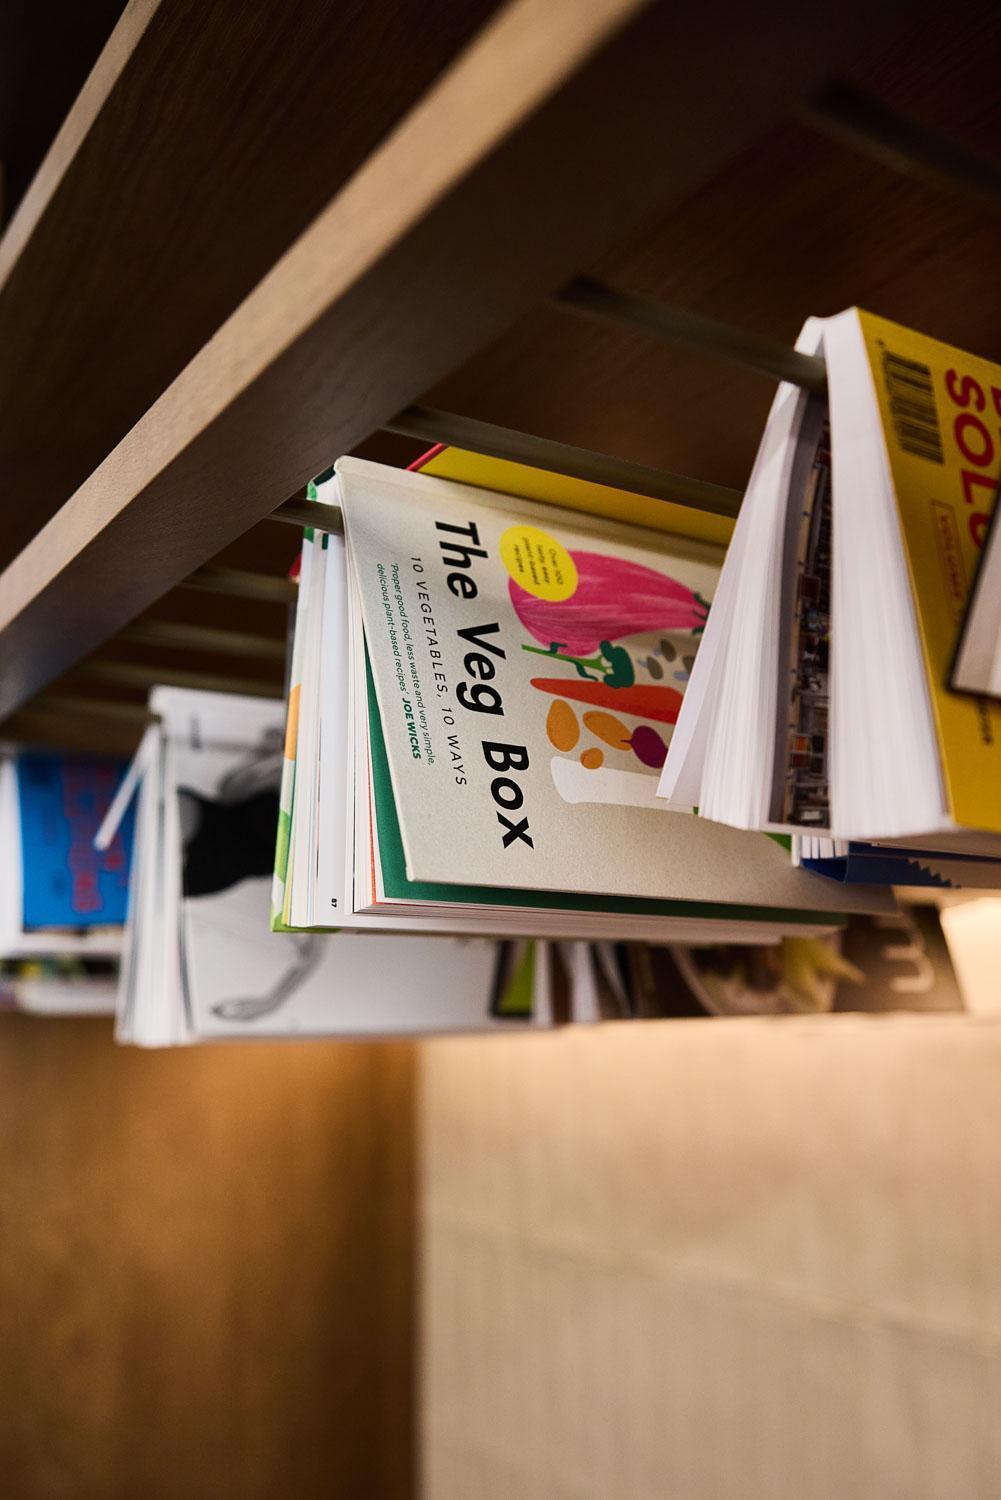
538,562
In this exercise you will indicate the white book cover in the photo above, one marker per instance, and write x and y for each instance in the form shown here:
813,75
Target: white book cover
528,678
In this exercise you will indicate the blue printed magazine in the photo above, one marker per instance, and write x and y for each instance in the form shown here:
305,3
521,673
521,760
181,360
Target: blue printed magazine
66,882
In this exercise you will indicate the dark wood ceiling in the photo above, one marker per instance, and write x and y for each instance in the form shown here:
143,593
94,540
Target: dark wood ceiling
798,225
46,52
221,140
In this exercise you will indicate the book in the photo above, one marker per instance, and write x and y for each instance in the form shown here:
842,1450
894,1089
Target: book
884,864
58,895
201,962
819,703
499,767
61,802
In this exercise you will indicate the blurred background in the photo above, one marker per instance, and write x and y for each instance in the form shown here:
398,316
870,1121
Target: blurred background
729,1259
205,1267
744,1260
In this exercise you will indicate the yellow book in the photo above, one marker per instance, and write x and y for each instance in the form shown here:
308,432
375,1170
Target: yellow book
503,477
941,420
820,702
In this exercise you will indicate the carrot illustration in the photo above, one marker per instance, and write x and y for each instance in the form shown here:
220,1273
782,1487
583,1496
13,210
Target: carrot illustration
643,701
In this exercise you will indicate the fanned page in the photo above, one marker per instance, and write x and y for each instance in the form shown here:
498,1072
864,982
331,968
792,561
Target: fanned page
332,895
883,759
529,665
299,901
726,751
819,701
284,867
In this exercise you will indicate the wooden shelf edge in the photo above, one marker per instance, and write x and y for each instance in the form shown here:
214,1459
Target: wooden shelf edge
88,105
556,133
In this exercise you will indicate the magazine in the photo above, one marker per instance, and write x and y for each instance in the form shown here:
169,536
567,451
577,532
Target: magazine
499,767
819,704
58,895
201,962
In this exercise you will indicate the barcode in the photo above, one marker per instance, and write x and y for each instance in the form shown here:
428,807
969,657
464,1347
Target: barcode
911,399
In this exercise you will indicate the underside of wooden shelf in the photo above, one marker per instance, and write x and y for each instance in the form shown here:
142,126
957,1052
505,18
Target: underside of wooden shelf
264,276
206,139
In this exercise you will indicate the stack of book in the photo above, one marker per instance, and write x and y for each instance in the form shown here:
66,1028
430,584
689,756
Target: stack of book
202,964
484,686
526,775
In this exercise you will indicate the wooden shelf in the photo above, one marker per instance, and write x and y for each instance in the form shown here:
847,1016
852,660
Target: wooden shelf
332,251
796,225
206,139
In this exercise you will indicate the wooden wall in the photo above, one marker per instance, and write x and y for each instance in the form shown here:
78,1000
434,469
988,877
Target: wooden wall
205,1268
714,1260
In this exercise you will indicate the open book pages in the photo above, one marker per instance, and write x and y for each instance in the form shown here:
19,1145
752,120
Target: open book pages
58,895
499,766
818,703
201,962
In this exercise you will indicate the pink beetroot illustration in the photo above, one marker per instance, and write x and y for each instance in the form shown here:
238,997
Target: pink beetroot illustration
613,598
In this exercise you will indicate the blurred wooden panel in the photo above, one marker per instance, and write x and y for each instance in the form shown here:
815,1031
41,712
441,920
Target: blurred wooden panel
797,225
944,69
93,730
713,1260
205,1268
